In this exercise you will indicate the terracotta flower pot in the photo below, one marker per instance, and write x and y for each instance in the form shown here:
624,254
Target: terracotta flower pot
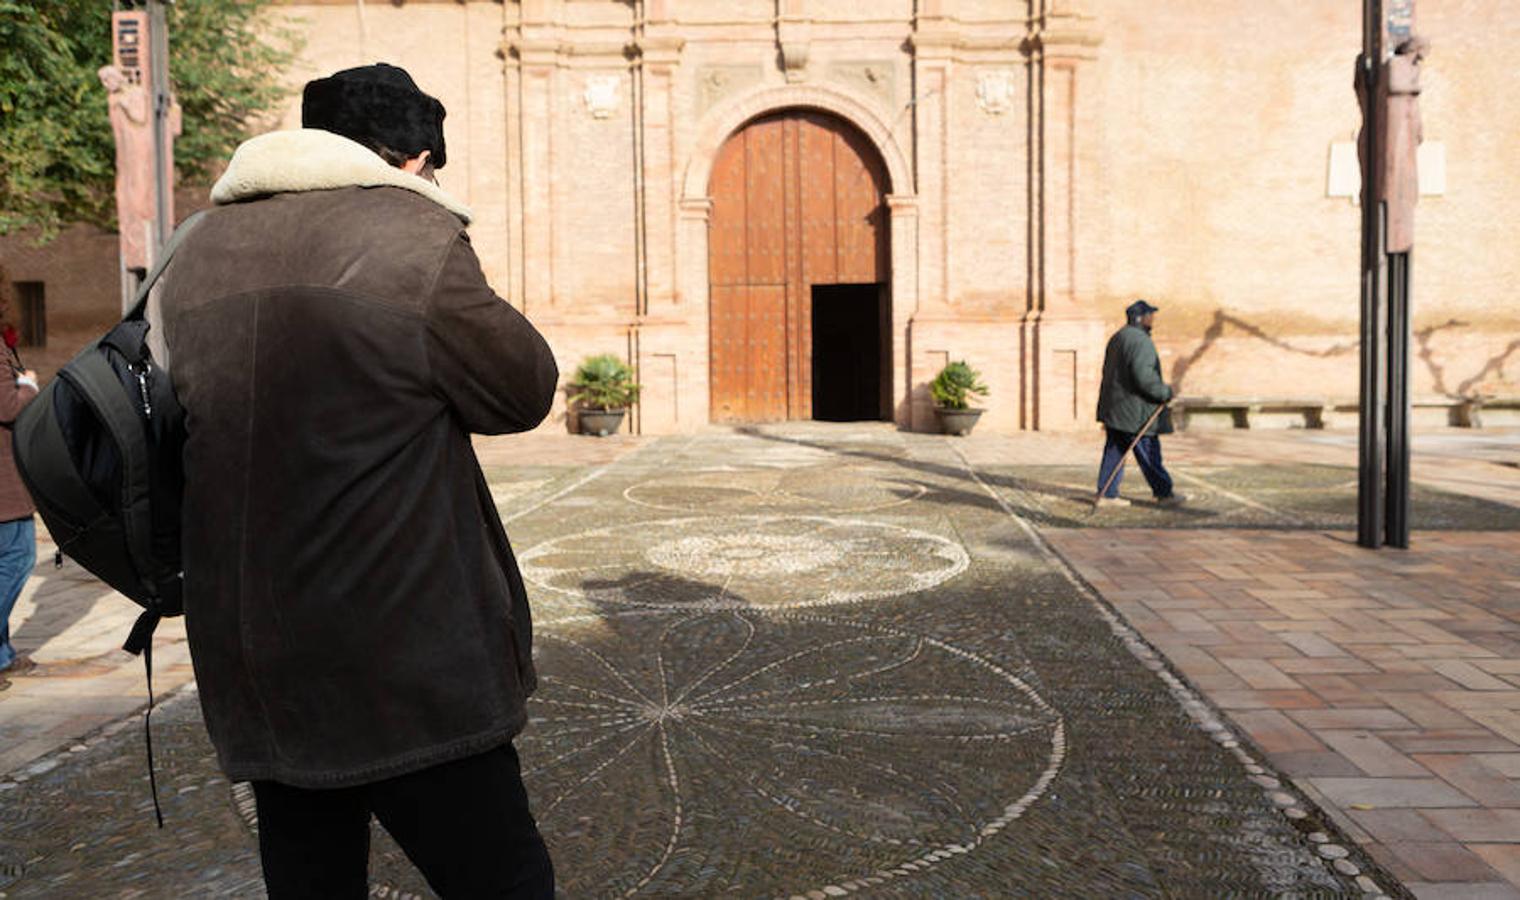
601,422
957,421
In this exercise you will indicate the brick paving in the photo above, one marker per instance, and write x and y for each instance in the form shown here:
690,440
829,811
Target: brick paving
1387,685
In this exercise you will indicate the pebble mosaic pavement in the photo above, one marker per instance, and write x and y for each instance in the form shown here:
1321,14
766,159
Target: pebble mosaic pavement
790,661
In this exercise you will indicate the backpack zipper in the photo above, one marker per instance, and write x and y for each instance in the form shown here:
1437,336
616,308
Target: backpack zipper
141,370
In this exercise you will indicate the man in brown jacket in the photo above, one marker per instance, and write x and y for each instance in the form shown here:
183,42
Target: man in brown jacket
360,632
18,532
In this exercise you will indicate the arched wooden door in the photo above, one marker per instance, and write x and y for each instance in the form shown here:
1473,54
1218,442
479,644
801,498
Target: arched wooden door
799,200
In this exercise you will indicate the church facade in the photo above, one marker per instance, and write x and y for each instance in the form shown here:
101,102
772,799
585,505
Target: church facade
795,209
772,210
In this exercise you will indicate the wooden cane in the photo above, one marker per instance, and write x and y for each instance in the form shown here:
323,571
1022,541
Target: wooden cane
1127,451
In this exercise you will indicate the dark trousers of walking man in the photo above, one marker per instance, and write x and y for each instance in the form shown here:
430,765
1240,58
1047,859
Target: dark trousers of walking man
1147,454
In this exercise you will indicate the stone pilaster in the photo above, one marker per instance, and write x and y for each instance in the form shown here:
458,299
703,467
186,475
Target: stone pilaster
1062,334
903,222
659,60
535,60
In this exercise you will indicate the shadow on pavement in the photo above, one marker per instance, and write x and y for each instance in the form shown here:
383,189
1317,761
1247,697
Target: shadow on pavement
1280,497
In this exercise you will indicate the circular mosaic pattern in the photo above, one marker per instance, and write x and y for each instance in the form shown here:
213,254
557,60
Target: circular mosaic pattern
744,561
744,555
832,488
685,740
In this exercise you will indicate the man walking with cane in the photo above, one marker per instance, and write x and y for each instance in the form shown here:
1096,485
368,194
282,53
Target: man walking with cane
1132,408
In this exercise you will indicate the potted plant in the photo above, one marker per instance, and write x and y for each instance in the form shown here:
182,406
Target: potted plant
601,392
953,389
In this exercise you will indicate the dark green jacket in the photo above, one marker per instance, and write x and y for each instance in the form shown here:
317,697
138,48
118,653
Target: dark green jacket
1132,385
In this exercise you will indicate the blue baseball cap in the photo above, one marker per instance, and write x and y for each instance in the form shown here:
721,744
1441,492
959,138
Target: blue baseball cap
1139,308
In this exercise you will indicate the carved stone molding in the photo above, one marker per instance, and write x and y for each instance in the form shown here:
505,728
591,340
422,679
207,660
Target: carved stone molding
661,50
902,205
1067,34
794,59
877,77
566,55
996,90
717,83
601,95
696,208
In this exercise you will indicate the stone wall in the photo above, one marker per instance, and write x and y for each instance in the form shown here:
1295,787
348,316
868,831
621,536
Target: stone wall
1049,162
1217,126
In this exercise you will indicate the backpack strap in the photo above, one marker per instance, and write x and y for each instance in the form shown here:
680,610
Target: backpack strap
93,376
100,386
140,309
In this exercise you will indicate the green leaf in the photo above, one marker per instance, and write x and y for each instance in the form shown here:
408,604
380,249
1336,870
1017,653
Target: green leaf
955,385
603,382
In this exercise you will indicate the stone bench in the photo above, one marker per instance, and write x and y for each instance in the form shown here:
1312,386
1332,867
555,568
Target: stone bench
1207,413
1218,413
1492,412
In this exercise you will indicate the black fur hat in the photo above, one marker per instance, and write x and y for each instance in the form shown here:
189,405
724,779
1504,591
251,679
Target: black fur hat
377,106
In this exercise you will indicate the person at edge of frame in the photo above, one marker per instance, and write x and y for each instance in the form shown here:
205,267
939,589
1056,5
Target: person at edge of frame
357,622
1132,389
18,530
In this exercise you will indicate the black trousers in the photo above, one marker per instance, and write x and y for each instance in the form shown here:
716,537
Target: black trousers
465,824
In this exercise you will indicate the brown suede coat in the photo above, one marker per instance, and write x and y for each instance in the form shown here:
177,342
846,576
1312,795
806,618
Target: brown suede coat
353,607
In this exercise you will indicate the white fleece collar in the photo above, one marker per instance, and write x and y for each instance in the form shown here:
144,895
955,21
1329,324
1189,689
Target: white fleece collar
313,160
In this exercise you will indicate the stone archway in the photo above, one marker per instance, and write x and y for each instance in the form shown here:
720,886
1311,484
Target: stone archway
799,274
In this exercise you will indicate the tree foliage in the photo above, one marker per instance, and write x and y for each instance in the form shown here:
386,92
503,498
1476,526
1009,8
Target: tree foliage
57,156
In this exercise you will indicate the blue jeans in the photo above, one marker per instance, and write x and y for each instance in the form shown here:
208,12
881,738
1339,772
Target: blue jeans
1147,454
18,554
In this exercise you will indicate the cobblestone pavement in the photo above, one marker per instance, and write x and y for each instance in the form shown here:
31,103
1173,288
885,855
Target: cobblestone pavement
74,627
790,661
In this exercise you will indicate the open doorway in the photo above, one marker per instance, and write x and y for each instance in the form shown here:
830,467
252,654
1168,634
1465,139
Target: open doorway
849,331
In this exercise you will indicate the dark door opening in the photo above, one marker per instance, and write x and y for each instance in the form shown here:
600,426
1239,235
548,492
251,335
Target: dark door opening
848,332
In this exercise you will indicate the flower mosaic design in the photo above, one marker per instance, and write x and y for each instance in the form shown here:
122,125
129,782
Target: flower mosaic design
810,489
688,739
716,563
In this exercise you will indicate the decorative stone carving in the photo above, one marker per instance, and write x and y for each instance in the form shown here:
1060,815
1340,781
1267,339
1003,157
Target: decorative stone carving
875,77
714,83
601,95
794,59
996,90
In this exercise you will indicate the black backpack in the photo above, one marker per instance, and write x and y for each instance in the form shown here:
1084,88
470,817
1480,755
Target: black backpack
100,451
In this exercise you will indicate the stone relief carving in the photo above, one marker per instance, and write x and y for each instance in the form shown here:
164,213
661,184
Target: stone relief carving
715,83
995,91
601,95
875,77
794,59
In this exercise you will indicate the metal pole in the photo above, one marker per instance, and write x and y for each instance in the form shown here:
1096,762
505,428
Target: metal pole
1397,512
1370,439
159,93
